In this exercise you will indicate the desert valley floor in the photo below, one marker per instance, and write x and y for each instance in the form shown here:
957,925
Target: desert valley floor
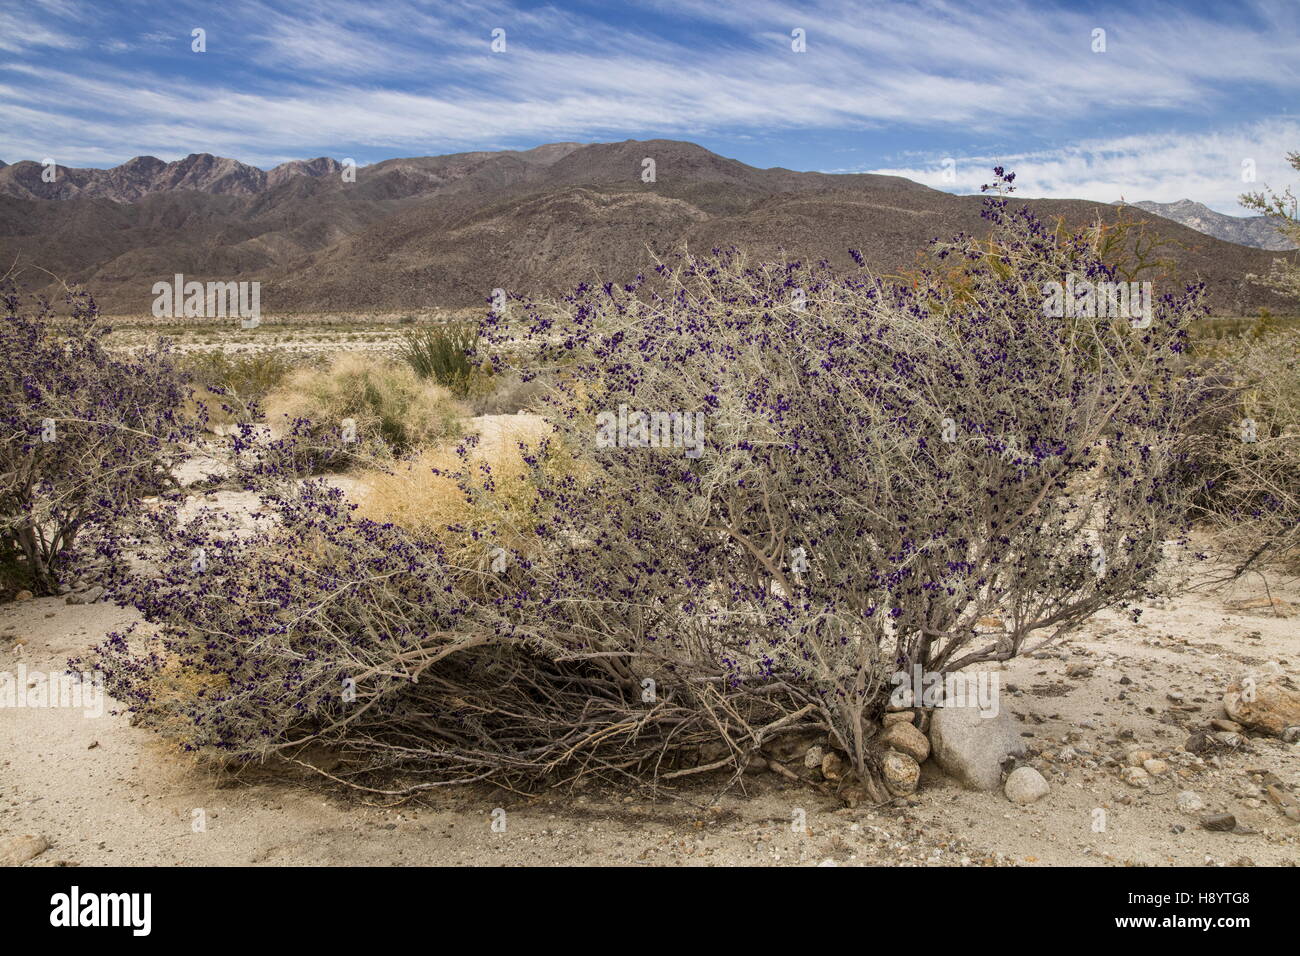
102,792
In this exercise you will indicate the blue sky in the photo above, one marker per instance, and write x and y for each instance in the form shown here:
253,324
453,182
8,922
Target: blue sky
1181,97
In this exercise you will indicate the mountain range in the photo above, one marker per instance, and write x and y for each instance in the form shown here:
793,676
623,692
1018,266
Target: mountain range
1257,231
443,231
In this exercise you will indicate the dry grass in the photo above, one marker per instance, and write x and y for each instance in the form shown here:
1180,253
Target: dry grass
474,502
386,399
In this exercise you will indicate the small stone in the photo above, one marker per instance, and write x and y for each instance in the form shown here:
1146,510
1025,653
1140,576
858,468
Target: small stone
1290,734
1196,743
1135,776
1136,758
1079,670
1221,822
1267,705
20,849
1155,767
23,595
1025,785
899,717
901,773
86,597
1231,726
1189,801
908,740
832,766
813,758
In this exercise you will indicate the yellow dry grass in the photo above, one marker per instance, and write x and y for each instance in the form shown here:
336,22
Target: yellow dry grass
499,506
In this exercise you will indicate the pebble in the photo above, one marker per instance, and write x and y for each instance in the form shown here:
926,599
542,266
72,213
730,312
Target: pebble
901,773
1135,776
1221,822
1025,785
1189,801
908,740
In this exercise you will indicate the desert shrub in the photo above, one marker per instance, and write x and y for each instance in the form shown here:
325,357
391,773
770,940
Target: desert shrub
880,468
380,398
231,387
446,354
85,436
1281,208
1247,444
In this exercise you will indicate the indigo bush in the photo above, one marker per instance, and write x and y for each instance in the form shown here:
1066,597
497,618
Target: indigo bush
86,435
782,486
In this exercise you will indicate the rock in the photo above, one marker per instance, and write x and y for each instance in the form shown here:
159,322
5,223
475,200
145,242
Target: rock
1155,767
833,766
1189,801
906,739
20,849
1221,822
972,747
1231,726
1137,757
1135,776
23,595
1026,785
1196,743
899,717
1291,734
86,597
1283,801
1078,670
901,773
814,756
1265,704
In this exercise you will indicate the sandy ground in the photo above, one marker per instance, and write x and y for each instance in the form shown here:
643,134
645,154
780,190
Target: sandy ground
105,793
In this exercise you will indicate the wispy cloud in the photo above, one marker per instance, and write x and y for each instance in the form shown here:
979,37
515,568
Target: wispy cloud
1214,168
1178,91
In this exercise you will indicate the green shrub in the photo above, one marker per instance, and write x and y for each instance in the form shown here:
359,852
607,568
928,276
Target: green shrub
444,353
